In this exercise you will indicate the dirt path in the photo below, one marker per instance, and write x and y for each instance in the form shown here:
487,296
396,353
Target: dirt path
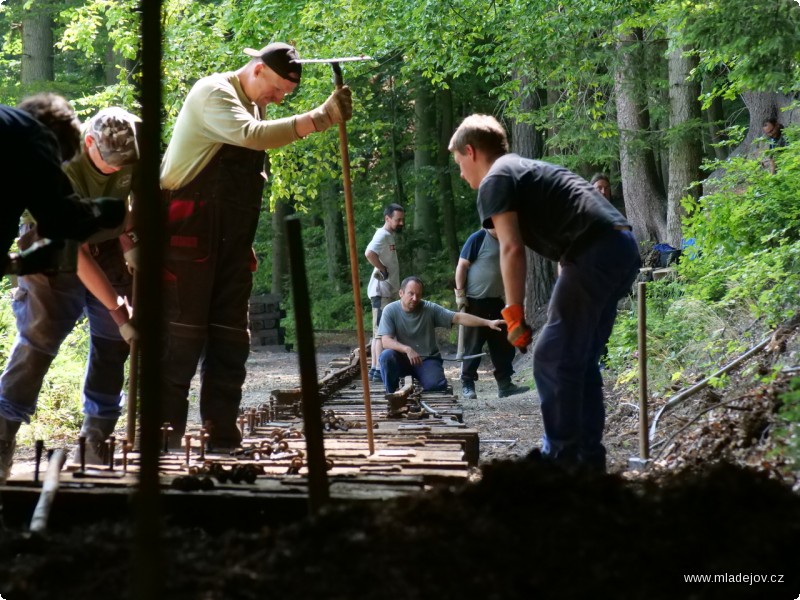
509,428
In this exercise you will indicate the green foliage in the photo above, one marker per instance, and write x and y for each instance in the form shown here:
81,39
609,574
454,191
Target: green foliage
743,269
756,42
788,429
747,238
7,328
58,414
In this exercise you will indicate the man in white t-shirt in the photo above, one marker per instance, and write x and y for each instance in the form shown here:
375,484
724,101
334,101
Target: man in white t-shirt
384,282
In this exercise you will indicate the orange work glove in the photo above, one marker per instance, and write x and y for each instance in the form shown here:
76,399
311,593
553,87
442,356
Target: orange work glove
519,333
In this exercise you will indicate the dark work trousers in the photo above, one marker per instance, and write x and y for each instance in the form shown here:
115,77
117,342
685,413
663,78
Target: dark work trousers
208,281
581,315
500,350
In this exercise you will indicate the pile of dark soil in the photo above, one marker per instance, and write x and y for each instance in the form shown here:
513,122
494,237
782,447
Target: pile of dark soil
525,530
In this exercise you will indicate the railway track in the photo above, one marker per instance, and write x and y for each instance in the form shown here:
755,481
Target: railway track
419,439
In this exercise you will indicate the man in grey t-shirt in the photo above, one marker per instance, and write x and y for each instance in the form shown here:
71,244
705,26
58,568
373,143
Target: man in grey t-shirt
408,333
479,291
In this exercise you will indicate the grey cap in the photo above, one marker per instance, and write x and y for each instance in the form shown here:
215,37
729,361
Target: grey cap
114,132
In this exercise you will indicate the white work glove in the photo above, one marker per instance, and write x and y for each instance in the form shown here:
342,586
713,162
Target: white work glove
128,332
461,299
132,258
381,274
336,109
122,317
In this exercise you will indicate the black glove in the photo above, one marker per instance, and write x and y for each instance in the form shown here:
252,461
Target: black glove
109,213
78,219
45,256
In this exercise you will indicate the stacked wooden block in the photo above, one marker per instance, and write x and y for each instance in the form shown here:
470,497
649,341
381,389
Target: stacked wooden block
265,320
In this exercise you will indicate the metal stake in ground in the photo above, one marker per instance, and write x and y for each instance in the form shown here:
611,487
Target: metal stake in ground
318,494
351,234
643,459
133,378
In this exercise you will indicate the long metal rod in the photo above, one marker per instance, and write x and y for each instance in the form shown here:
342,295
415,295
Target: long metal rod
133,377
49,489
148,566
351,234
318,494
644,441
681,396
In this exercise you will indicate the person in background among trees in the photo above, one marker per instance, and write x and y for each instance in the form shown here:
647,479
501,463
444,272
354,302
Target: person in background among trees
479,292
559,215
212,177
36,136
408,331
385,280
602,184
774,132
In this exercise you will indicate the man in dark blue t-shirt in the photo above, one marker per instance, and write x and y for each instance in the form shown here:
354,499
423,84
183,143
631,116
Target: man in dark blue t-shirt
559,215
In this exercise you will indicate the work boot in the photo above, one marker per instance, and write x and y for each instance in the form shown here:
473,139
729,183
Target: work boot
8,443
376,375
468,390
96,431
506,388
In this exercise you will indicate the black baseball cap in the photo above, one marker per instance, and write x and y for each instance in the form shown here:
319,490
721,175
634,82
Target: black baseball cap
281,58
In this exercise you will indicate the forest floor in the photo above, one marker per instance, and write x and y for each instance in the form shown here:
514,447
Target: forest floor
716,502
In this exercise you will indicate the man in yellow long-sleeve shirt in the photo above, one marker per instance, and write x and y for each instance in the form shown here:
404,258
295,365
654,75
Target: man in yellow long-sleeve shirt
212,180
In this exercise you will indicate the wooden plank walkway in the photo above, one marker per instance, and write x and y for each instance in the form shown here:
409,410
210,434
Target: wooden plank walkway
419,440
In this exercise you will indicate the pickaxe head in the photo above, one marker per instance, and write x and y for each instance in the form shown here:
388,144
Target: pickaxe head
334,62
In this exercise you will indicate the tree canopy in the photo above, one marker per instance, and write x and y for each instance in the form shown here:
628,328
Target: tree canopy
567,71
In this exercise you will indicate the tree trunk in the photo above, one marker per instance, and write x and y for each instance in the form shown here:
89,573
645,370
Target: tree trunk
37,44
685,148
425,207
763,105
645,203
715,115
113,63
445,101
399,193
334,237
541,275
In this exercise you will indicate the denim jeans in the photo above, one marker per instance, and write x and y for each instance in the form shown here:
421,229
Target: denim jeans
581,315
395,365
46,310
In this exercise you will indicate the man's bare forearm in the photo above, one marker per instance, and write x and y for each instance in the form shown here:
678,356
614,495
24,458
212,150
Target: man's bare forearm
390,343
